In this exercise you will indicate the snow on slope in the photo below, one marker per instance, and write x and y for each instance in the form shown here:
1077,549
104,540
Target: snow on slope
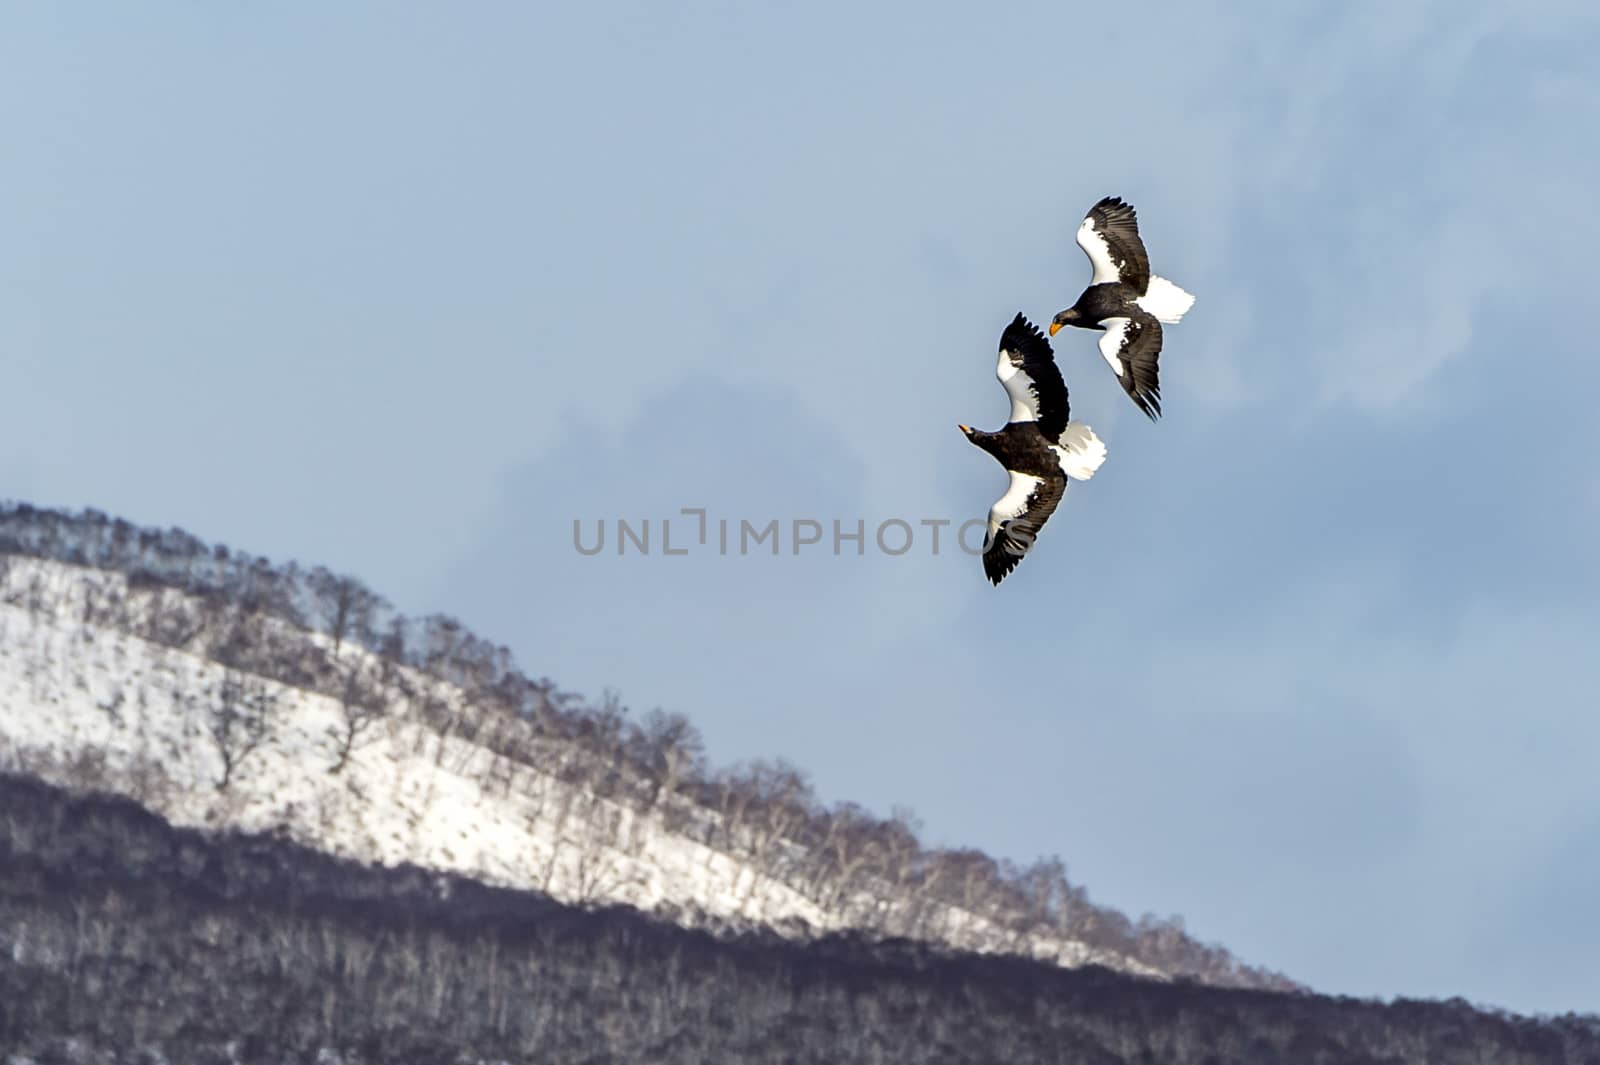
94,706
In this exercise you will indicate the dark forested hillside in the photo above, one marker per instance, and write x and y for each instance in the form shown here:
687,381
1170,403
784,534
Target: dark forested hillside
125,939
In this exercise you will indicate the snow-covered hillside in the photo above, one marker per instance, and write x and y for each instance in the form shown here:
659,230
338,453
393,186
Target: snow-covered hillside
96,707
226,691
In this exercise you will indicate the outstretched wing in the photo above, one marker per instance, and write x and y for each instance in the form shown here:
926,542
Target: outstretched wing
1015,521
1132,345
1027,368
1109,235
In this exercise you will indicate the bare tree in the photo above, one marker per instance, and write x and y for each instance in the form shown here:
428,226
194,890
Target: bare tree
899,837
362,704
238,720
669,749
344,606
1047,896
594,865
971,878
846,848
774,800
566,798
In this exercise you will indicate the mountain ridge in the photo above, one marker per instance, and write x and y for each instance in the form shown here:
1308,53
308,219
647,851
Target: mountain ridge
170,661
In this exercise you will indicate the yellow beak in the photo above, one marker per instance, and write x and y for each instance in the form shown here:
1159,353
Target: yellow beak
964,428
1055,327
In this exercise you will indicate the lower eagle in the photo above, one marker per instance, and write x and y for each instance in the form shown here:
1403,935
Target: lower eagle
1040,447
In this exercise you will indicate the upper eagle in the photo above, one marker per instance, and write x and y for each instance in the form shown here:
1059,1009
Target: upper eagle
1125,300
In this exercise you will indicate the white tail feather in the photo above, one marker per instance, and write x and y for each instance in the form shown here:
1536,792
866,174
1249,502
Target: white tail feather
1166,301
1080,451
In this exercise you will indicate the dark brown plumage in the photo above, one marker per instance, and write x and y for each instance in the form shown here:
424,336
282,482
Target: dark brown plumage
1125,301
1040,447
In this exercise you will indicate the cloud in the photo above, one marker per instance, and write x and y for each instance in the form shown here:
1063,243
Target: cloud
1379,209
671,627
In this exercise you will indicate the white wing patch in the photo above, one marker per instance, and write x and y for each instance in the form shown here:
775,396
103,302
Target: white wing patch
1099,252
1079,451
1011,505
1111,341
1165,301
1019,386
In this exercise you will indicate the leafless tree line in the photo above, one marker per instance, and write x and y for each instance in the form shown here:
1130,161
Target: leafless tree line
299,626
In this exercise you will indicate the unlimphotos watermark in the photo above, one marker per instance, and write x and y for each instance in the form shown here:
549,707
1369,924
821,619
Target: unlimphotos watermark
741,536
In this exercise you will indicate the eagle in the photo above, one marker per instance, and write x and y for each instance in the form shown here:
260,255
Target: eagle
1124,300
1040,447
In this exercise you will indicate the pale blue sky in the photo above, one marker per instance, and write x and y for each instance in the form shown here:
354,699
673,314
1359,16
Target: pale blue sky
406,289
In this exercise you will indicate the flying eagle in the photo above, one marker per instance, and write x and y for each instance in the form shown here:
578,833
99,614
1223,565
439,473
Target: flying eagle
1039,447
1125,300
